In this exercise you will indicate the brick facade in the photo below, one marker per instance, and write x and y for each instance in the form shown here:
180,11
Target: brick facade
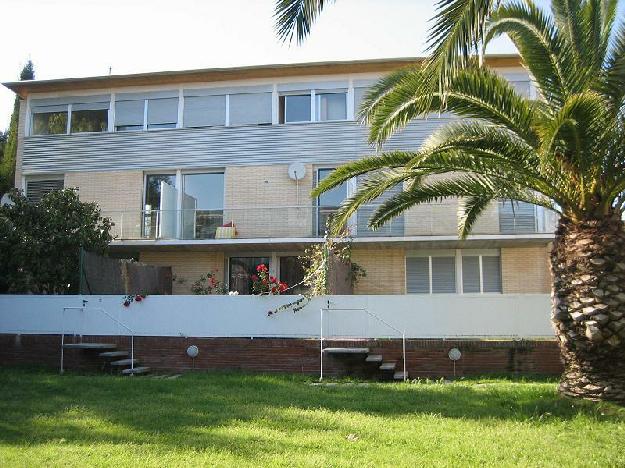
424,357
525,270
386,270
187,267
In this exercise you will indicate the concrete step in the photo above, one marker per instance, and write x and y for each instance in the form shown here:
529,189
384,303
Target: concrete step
136,371
346,350
388,366
400,375
124,362
89,346
114,354
376,358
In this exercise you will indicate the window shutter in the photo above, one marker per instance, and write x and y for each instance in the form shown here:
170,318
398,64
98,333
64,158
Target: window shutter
418,275
491,271
331,106
37,189
471,274
128,113
443,275
516,217
90,106
250,109
162,111
204,111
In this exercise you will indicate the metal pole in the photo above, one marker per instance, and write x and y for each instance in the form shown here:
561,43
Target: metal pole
403,339
321,346
132,354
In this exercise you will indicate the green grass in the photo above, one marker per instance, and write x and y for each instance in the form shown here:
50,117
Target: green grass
217,419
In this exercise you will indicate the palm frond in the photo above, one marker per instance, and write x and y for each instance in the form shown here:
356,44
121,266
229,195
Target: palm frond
296,17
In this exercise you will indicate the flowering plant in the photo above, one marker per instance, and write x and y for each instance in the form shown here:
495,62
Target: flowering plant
264,283
130,298
208,284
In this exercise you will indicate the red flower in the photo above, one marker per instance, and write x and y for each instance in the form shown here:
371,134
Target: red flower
138,298
261,267
272,279
254,278
126,303
283,286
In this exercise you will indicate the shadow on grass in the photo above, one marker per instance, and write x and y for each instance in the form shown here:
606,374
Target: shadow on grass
199,409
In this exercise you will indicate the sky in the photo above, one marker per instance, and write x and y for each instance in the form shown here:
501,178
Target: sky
76,38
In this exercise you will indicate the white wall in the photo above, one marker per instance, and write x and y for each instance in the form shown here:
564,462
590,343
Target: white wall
436,316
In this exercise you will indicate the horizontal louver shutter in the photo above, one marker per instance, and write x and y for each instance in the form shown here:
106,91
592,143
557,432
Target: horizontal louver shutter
250,109
129,113
470,274
516,217
204,111
37,189
491,272
443,275
162,111
418,275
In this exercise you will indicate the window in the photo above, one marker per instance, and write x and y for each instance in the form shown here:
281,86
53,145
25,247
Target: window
38,188
517,217
202,205
161,198
241,270
481,273
359,97
162,113
250,109
479,270
292,273
204,111
328,202
295,108
129,115
331,106
90,117
49,120
434,274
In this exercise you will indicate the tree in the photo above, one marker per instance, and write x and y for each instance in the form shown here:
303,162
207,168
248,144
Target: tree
564,151
40,242
7,161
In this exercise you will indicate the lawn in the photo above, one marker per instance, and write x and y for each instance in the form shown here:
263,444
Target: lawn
217,419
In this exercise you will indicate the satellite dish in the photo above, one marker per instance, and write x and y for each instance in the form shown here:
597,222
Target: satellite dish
6,200
454,354
297,171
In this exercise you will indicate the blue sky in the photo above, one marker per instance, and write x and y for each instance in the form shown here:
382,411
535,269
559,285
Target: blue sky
72,38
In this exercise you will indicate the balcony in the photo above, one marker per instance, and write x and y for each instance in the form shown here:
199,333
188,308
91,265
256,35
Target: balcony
308,222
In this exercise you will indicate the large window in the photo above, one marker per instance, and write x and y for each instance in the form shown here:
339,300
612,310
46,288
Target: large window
295,108
452,271
134,112
517,217
204,111
50,120
250,109
328,202
90,118
202,205
161,197
292,273
241,270
331,106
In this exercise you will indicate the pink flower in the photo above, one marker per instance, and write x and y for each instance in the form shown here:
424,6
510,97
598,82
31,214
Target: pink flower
126,303
138,298
254,278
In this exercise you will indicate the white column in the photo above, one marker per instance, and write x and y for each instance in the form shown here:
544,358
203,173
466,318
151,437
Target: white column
68,129
227,110
275,105
313,105
180,108
351,105
111,127
145,115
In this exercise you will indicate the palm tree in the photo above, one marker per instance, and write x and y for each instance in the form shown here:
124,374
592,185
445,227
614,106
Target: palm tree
564,151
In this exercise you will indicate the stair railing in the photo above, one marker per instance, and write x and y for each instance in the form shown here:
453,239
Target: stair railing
101,310
371,314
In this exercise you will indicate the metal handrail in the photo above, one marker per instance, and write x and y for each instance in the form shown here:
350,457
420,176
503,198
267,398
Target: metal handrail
371,314
117,321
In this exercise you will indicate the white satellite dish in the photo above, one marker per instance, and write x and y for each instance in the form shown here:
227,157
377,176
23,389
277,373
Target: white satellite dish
454,354
6,200
297,171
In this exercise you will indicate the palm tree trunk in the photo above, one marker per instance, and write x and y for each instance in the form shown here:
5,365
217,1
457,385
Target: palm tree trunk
588,311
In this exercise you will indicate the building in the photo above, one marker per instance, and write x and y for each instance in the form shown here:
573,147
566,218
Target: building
210,171
173,157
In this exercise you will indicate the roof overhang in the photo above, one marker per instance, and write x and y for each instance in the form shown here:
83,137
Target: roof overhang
23,88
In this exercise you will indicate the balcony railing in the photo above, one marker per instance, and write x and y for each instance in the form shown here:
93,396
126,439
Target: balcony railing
436,219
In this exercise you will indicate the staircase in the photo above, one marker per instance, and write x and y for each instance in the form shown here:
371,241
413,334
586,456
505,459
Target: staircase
371,365
112,359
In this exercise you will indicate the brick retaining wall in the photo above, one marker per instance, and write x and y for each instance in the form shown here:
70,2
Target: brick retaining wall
425,357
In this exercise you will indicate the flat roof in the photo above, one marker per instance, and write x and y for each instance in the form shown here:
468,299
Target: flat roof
23,88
